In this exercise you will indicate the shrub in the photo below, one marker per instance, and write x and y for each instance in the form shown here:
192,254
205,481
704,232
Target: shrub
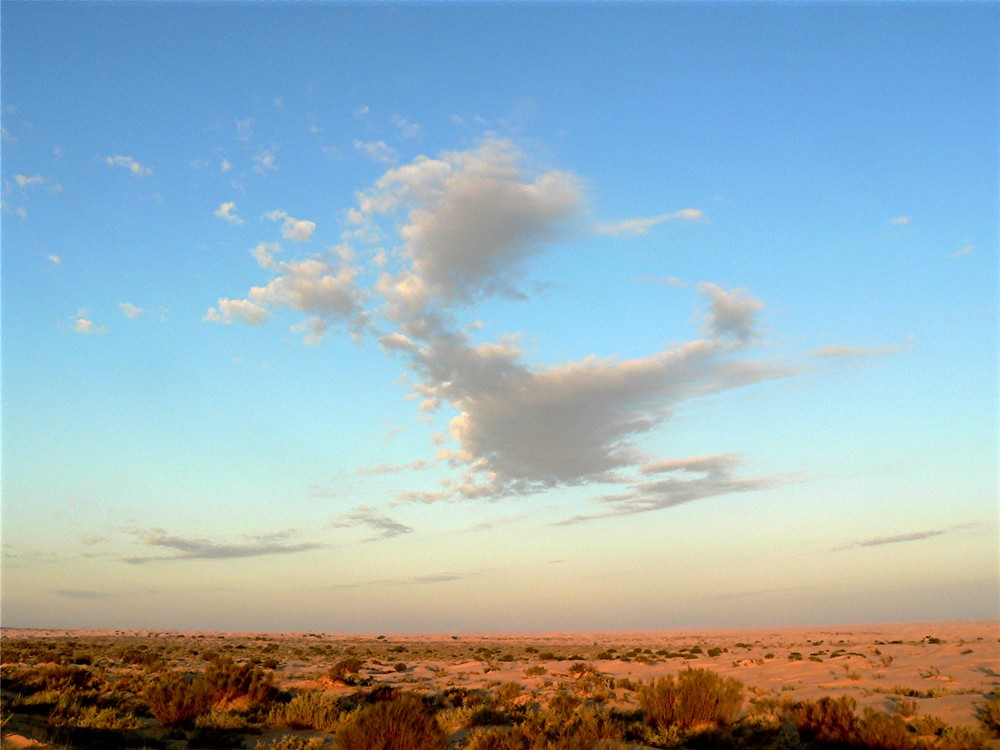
309,710
401,724
828,720
880,730
346,670
697,696
226,681
495,738
174,700
989,715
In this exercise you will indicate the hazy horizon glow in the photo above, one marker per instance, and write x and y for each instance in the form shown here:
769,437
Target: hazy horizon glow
460,317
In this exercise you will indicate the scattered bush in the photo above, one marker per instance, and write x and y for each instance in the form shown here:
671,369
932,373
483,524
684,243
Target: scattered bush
346,670
401,724
308,710
175,700
828,720
989,715
697,696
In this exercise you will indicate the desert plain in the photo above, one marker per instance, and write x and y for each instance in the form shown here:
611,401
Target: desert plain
936,679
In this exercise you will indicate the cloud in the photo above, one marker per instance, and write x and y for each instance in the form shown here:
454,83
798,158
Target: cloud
900,221
230,310
244,129
393,469
265,161
844,352
297,230
225,211
472,218
316,287
640,226
206,549
127,162
83,594
363,515
731,312
671,281
879,541
129,310
24,182
407,129
54,259
961,253
83,324
421,580
461,227
225,165
712,477
378,151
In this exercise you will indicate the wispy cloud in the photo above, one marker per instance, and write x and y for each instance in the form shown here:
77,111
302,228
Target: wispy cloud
265,161
363,515
421,580
407,129
129,310
900,221
962,252
83,594
879,541
186,548
844,351
378,151
127,162
641,225
393,468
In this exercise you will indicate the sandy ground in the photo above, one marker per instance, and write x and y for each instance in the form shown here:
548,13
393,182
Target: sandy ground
945,668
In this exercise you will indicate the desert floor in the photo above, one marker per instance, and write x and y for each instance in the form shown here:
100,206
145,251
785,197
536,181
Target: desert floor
945,668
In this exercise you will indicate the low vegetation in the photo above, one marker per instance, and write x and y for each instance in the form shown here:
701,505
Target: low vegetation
311,693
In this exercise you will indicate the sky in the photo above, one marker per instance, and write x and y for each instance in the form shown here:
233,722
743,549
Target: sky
484,317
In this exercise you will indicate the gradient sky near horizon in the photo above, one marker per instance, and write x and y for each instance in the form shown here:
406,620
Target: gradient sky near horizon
452,317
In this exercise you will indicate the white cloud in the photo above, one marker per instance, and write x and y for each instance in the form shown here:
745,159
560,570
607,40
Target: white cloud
230,310
225,211
83,324
900,221
297,230
55,260
129,310
731,312
316,287
378,151
127,162
225,166
967,250
640,226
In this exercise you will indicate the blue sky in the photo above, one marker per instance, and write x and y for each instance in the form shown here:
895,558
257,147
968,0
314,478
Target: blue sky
415,317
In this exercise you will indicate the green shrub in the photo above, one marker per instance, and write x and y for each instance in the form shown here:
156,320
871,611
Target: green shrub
401,724
697,696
